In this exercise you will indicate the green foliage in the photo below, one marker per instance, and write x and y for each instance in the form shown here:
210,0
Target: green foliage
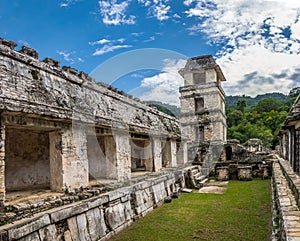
241,213
241,105
234,118
231,101
267,105
263,120
203,112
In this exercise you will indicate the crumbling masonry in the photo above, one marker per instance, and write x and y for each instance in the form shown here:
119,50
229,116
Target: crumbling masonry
61,130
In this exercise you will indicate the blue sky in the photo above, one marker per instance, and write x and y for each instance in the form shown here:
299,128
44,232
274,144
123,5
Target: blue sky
256,43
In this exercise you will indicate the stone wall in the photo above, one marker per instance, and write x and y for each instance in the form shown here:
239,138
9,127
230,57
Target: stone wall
32,159
286,215
85,130
289,137
97,218
36,87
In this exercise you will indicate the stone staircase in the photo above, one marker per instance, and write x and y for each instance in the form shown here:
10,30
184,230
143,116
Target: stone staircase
194,177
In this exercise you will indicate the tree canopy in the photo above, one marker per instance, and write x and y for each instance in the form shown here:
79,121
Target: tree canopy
262,120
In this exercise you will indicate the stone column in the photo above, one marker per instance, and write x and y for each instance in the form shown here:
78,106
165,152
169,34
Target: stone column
56,169
148,155
2,162
291,147
74,157
182,153
123,157
173,153
157,154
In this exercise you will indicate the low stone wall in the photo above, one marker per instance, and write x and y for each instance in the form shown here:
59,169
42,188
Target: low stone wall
244,171
286,215
97,218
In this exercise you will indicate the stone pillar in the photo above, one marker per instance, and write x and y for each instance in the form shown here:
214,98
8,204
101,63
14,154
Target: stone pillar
110,158
173,153
182,153
2,162
56,168
157,154
74,157
148,156
123,157
291,148
185,152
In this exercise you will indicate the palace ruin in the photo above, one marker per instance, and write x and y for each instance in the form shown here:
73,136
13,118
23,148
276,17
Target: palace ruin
62,132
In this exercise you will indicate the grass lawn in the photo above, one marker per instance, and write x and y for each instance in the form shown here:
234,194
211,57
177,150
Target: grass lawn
242,213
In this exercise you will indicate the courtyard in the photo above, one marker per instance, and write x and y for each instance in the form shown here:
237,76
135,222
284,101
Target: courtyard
243,212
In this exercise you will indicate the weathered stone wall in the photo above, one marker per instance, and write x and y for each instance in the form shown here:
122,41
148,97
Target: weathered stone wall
88,127
27,159
286,215
289,137
97,218
35,87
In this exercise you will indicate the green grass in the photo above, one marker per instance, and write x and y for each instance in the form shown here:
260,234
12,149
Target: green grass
242,213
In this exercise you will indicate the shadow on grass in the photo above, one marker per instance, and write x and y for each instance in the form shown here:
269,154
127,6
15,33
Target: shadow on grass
243,212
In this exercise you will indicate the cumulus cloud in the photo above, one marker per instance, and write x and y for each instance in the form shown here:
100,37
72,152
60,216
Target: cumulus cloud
109,48
259,37
163,87
114,12
70,57
157,8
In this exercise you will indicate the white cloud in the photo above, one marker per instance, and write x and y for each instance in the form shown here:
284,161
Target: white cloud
259,39
114,13
101,41
24,42
164,86
109,48
70,57
152,38
188,2
107,41
176,15
157,8
137,34
67,3
251,70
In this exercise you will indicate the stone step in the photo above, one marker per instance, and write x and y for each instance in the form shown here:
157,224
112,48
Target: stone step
197,175
201,184
200,177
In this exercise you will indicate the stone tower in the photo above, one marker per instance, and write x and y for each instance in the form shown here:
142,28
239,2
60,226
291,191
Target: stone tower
203,119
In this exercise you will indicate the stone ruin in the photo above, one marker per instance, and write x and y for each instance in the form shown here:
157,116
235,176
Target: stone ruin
61,130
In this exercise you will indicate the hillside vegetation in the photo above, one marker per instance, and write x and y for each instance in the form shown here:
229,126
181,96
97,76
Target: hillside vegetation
259,117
